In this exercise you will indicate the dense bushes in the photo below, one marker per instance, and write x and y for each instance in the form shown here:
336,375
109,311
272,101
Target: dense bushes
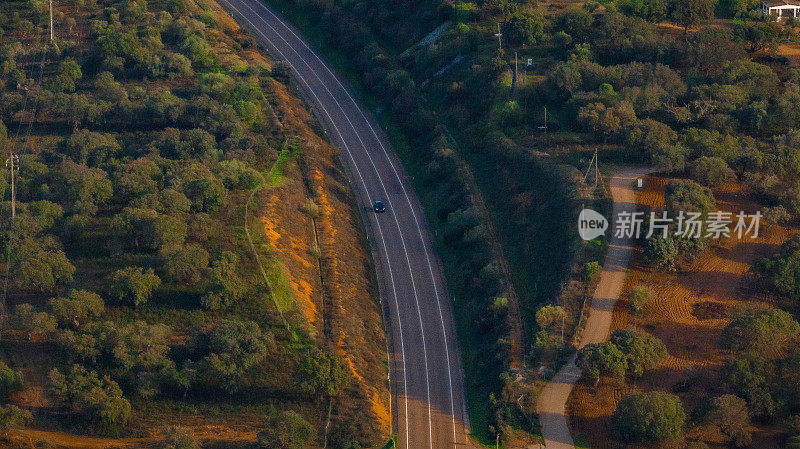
762,332
99,400
629,351
648,418
781,273
10,381
287,430
128,215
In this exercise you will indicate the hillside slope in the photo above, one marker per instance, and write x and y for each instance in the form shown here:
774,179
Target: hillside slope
185,250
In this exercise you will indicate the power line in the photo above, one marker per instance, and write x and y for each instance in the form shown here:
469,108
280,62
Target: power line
13,159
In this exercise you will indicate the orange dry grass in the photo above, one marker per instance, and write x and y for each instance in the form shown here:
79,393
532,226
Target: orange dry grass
791,52
688,311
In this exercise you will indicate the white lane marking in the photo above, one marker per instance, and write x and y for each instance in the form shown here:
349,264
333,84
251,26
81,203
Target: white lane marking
408,200
369,199
402,238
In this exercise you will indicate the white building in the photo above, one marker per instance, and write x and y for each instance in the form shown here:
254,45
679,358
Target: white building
780,9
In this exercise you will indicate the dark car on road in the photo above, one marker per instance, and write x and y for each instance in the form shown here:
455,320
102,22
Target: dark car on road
379,207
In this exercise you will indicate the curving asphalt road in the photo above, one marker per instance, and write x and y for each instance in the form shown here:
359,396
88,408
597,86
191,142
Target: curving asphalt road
428,405
553,399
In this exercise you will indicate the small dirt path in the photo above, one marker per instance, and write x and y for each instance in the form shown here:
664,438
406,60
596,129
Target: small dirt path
553,399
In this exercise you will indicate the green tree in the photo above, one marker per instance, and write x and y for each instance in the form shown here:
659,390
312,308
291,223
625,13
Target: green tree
591,270
321,373
758,36
752,377
205,190
692,12
648,418
711,171
81,189
147,229
730,414
199,52
79,305
524,29
235,350
286,430
99,400
186,266
87,147
642,351
37,325
136,179
687,196
781,273
42,269
762,332
602,359
662,253
133,285
11,418
10,381
549,316
226,285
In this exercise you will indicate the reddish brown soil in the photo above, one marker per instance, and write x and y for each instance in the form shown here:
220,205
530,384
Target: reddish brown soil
688,312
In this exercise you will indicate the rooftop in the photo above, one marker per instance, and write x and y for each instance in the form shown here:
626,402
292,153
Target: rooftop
774,3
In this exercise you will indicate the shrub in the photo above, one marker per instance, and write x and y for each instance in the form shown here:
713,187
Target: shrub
10,381
178,438
310,208
12,417
639,296
648,418
687,196
321,373
99,400
591,270
711,171
287,430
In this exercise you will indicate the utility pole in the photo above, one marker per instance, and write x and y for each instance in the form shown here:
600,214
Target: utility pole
596,168
13,163
52,35
543,126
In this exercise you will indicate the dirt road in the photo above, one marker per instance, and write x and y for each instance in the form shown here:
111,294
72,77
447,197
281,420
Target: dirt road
553,400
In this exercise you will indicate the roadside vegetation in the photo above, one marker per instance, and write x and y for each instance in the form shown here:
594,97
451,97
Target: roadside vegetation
134,296
696,89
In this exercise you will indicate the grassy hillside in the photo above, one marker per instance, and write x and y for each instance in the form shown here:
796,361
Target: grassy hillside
184,249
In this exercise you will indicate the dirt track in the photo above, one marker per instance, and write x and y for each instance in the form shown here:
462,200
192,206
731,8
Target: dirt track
553,399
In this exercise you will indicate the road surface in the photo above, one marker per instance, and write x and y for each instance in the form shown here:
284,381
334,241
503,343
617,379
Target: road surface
428,404
553,400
